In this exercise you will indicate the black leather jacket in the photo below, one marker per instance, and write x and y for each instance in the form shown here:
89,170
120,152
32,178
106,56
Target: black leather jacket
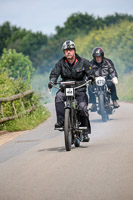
80,70
105,69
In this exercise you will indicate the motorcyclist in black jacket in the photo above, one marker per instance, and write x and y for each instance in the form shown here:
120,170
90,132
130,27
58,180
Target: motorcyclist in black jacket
103,67
72,68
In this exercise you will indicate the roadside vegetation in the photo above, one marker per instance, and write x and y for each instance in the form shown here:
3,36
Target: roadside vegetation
125,88
27,121
12,83
117,42
27,58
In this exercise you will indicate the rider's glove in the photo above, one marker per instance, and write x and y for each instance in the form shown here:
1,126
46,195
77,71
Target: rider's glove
115,80
91,78
62,87
50,84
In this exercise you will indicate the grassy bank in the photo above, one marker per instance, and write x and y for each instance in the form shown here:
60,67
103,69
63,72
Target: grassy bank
28,121
125,88
10,87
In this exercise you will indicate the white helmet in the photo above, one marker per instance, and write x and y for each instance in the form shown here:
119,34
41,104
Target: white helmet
68,44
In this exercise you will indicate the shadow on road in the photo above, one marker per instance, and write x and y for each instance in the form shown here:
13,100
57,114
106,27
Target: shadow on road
99,120
61,149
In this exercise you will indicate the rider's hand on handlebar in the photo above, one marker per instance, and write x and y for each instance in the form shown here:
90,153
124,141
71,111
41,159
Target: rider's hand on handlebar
91,78
62,87
50,84
115,80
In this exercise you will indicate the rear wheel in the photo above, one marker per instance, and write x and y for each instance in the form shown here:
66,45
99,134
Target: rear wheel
102,108
67,130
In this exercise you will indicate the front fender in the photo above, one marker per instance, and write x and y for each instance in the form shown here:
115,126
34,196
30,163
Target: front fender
67,106
101,93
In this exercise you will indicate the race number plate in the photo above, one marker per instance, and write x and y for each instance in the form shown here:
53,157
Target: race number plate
69,92
100,81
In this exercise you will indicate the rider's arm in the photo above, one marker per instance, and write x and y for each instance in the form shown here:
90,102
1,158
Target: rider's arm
55,73
89,70
112,70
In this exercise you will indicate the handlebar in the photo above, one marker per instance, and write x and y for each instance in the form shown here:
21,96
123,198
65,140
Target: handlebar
87,82
71,82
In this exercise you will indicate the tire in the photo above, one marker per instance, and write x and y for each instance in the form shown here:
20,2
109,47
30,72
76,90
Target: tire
102,108
67,130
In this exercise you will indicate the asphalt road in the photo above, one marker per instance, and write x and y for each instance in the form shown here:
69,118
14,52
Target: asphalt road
35,165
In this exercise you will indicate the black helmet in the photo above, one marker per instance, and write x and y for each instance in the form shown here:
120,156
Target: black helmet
68,44
97,51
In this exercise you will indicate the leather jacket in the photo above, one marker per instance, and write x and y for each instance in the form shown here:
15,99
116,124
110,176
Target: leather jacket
105,68
81,69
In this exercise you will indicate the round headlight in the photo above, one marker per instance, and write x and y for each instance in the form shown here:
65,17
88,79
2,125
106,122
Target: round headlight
100,81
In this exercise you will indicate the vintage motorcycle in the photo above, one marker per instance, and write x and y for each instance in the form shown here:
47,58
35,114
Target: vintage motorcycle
72,129
103,98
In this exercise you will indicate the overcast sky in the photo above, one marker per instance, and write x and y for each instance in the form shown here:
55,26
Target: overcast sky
45,15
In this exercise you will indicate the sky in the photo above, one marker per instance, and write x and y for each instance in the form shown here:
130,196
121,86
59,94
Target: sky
45,15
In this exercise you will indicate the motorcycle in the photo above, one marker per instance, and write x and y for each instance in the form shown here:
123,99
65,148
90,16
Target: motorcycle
103,98
72,129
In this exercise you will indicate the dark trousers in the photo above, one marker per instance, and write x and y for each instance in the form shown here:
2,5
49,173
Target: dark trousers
111,87
82,100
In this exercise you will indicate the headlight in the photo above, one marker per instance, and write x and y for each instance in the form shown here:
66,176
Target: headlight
100,81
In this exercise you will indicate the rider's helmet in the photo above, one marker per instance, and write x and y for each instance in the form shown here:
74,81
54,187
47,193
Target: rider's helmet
68,44
97,51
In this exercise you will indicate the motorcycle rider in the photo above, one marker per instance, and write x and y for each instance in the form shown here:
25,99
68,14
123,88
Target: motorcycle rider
72,67
103,67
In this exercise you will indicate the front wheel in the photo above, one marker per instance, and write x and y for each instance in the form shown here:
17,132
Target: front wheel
102,108
67,130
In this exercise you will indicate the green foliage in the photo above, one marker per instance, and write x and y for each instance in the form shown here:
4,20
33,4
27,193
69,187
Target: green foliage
26,42
125,88
113,33
10,34
16,64
44,51
5,34
10,87
28,121
77,23
116,41
30,44
117,18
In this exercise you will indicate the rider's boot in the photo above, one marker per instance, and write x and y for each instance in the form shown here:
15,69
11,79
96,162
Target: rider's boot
116,105
60,114
85,123
59,124
85,137
93,108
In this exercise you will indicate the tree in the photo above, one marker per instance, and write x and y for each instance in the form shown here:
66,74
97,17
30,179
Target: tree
77,23
16,64
117,18
117,42
29,44
5,33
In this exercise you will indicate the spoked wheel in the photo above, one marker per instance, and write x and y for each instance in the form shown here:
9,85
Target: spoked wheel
67,130
102,108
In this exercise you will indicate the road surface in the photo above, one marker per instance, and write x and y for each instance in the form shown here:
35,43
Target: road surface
35,165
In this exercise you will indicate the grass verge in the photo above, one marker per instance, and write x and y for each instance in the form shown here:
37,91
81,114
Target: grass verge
125,88
27,121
